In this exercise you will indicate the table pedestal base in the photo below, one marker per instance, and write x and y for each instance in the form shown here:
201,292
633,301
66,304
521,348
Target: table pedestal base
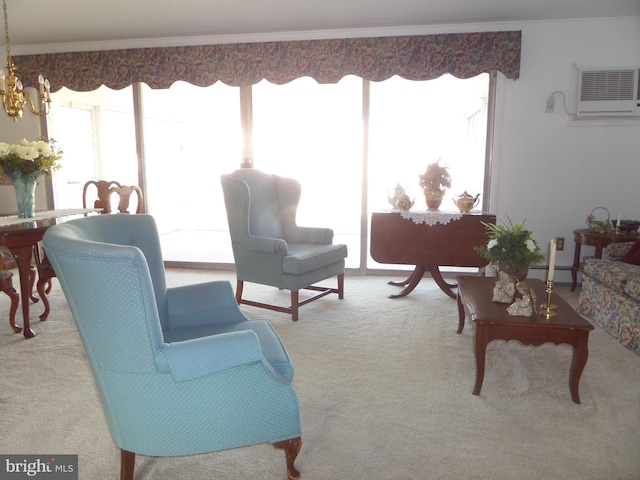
412,281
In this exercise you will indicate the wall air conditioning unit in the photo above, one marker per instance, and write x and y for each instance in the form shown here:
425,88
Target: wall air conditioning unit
608,92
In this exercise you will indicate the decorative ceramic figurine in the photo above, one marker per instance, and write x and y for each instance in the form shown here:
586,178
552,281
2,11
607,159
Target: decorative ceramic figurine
505,288
466,202
524,306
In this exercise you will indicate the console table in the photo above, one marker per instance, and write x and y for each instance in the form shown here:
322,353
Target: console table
428,240
21,235
599,240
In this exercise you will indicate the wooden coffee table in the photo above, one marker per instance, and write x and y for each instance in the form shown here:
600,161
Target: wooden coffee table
494,323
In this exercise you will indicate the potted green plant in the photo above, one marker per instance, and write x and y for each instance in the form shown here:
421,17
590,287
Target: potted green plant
510,248
434,182
24,164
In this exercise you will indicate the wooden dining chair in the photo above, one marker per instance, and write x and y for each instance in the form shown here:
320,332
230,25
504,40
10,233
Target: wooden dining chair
7,263
102,192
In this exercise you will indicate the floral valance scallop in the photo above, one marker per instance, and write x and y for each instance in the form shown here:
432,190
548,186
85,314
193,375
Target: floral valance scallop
418,57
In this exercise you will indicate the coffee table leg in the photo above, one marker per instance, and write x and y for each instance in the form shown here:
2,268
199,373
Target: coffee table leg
578,362
481,349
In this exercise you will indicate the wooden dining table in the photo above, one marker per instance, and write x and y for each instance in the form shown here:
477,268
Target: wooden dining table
20,236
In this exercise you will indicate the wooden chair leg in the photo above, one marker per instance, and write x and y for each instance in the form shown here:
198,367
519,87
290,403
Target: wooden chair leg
15,299
127,464
32,282
42,292
291,448
295,305
239,287
341,286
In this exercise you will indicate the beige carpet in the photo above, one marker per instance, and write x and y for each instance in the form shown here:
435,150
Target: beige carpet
385,393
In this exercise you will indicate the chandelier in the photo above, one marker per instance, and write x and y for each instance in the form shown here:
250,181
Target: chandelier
11,91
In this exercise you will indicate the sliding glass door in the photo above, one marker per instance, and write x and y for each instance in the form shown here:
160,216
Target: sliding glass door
412,124
313,133
191,136
348,144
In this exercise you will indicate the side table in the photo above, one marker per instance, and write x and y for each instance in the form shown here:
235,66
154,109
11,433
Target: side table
598,240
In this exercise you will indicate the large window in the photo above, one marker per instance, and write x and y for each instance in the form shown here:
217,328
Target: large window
348,144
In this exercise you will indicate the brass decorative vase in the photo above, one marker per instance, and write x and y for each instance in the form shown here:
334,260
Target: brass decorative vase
433,198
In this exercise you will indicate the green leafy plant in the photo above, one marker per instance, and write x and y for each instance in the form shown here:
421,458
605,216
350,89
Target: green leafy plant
510,243
28,157
436,177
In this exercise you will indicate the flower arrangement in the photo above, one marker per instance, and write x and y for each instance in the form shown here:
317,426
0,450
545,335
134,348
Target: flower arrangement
510,243
28,157
435,178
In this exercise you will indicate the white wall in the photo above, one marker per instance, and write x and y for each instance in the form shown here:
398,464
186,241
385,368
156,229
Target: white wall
547,170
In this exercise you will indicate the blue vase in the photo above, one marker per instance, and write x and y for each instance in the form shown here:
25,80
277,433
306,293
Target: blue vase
25,185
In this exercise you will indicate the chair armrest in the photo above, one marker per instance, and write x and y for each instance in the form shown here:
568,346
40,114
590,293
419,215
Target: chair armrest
266,244
203,356
208,303
311,235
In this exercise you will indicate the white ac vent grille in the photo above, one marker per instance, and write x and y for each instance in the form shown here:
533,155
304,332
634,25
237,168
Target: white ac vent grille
609,92
608,85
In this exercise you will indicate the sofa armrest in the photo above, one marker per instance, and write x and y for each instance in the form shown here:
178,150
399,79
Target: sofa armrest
616,251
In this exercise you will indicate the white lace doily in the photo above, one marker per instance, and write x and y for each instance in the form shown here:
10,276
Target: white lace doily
429,218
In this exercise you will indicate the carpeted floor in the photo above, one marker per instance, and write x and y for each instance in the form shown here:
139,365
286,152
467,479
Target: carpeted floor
385,393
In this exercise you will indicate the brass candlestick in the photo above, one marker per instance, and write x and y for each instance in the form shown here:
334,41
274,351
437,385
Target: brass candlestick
618,230
547,310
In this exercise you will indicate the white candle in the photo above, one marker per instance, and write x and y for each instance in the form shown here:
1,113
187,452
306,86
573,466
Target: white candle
552,259
618,222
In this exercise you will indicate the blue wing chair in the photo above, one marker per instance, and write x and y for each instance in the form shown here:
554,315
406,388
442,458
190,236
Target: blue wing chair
179,370
269,248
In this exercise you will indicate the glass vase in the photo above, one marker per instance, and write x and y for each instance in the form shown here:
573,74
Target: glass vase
25,186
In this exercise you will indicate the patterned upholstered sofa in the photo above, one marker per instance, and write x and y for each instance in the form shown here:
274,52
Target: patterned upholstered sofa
610,294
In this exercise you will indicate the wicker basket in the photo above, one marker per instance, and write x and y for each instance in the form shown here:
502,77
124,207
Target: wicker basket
599,226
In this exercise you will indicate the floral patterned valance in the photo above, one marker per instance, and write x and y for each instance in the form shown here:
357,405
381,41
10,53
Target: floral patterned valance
420,57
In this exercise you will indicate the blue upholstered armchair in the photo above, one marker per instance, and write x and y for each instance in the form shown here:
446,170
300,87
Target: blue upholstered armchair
269,248
179,370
